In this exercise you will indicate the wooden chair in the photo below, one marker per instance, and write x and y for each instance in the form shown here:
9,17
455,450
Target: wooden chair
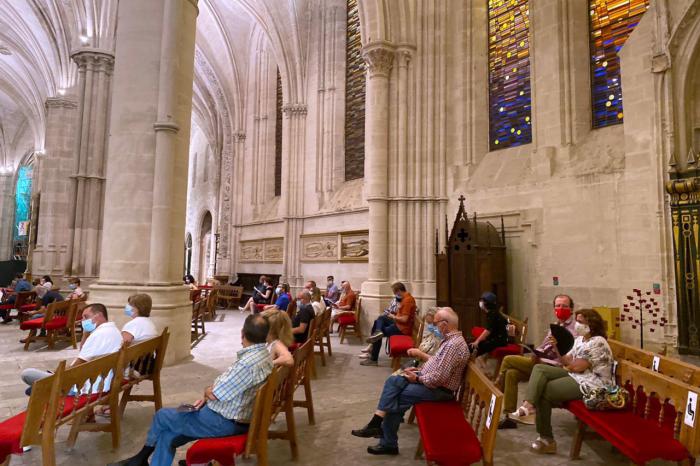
282,402
68,333
474,421
303,361
224,449
228,294
55,320
77,327
671,367
143,361
26,301
351,322
323,332
198,311
210,309
400,344
517,345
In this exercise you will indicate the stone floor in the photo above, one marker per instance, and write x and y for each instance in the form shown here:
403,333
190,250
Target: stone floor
345,395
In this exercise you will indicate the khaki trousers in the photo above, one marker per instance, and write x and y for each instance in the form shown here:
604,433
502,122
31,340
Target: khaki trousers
514,369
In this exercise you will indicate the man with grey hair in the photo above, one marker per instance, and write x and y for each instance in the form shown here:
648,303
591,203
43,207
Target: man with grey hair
437,380
303,316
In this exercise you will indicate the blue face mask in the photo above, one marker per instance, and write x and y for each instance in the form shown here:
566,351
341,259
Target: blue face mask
129,310
398,297
88,325
432,328
72,286
299,303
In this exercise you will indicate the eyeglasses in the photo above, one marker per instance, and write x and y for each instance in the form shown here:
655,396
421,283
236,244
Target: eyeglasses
440,321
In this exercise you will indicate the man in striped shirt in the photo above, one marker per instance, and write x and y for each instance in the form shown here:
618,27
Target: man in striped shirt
437,380
225,409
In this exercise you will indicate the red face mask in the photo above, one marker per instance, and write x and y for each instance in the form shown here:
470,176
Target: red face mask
562,313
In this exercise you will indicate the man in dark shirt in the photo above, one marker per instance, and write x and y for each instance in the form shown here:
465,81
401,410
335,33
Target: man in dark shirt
302,318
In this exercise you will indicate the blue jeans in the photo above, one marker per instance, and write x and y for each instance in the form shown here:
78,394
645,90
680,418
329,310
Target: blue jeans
168,424
398,395
388,328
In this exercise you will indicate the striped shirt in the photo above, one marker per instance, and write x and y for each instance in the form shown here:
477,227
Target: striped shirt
446,368
236,388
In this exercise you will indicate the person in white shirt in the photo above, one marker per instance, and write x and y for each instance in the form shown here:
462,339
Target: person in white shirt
140,327
104,339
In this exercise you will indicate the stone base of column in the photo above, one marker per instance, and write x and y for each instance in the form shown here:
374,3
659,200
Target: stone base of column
376,296
171,308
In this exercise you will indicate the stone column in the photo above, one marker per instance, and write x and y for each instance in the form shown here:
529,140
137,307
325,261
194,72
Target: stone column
7,204
239,138
49,256
146,185
87,181
379,57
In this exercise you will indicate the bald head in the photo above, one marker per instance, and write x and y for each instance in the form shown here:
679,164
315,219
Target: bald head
449,317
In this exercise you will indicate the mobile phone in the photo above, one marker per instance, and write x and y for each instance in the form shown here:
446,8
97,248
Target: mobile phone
186,408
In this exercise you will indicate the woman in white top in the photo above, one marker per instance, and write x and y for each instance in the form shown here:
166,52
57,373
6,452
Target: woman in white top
140,327
317,302
279,337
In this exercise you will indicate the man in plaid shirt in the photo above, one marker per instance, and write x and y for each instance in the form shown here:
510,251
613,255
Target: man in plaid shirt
226,408
437,380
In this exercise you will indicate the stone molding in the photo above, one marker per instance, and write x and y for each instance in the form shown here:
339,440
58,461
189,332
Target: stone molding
167,126
379,57
297,109
61,102
239,136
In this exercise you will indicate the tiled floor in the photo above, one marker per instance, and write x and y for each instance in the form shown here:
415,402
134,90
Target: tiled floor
345,395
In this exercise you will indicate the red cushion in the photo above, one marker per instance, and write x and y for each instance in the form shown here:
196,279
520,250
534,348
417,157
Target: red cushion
639,439
29,307
294,346
260,307
221,449
477,331
447,437
11,429
56,323
503,351
6,307
346,319
32,324
399,344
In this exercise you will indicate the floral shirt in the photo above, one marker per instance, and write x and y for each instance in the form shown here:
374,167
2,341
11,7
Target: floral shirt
597,352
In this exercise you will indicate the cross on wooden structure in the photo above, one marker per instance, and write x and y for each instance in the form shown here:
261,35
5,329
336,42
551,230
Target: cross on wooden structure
462,235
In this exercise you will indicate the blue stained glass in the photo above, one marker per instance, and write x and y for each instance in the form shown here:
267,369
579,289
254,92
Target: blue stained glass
510,113
612,21
23,196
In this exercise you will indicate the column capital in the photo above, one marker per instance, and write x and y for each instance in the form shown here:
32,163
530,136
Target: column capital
87,56
60,102
239,136
379,57
296,109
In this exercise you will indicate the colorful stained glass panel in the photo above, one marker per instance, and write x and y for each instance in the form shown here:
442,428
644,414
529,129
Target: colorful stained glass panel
612,21
354,97
23,196
510,118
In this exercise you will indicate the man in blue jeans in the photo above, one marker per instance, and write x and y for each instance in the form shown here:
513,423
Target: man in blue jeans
437,380
225,410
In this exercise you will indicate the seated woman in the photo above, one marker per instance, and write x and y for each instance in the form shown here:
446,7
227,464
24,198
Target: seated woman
75,291
262,294
495,334
317,301
279,337
140,327
190,281
587,366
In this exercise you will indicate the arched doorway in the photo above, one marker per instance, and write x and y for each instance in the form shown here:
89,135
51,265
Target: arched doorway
205,248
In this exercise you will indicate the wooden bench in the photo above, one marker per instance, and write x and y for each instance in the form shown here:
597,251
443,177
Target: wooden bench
652,427
461,432
224,449
351,321
517,340
675,368
400,344
228,294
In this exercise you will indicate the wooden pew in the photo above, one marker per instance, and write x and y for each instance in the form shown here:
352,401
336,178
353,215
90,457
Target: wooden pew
653,427
198,311
229,295
303,362
675,368
461,432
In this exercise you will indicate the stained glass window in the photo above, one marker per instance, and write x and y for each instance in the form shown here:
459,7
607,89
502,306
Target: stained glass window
278,137
354,97
612,21
510,118
23,196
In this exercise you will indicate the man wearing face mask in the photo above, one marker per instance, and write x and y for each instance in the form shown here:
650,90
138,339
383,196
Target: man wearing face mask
303,316
515,369
389,324
105,338
332,291
283,298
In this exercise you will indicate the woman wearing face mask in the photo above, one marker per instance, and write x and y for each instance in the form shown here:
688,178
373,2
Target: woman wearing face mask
76,292
588,364
495,334
140,327
431,339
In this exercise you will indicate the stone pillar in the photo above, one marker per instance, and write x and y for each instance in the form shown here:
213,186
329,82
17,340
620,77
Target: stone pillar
49,256
239,138
379,57
146,185
87,181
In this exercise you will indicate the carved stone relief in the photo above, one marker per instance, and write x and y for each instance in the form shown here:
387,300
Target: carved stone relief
354,246
268,250
251,251
319,248
274,250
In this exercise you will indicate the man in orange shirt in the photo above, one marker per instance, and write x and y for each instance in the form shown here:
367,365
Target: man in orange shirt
390,324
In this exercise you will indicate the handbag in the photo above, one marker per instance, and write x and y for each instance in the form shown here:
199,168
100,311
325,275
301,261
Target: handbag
614,397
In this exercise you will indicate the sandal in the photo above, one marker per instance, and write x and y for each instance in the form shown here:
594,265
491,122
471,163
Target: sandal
544,446
523,416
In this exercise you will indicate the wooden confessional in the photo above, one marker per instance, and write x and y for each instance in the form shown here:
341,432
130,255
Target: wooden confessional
473,261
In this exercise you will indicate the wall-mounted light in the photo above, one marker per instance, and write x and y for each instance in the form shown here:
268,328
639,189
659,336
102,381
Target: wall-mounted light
61,91
84,39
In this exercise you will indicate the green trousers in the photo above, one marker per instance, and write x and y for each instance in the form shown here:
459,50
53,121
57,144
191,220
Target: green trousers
514,369
549,386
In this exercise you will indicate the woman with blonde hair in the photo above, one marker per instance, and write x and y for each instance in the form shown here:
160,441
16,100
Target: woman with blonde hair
279,337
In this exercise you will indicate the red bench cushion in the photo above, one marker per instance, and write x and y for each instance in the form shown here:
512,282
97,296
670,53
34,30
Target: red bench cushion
29,307
11,429
346,319
447,437
294,346
6,307
639,439
477,331
503,351
399,344
55,323
221,449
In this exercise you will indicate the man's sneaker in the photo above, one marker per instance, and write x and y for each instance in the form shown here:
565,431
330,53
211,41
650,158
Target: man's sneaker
376,337
368,362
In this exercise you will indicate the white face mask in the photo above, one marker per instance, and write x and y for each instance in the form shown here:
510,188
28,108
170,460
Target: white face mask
582,329
482,306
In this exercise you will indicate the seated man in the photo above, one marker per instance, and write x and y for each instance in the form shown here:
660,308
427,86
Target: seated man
226,408
105,338
388,324
283,298
518,368
438,380
302,317
332,291
21,285
75,291
346,303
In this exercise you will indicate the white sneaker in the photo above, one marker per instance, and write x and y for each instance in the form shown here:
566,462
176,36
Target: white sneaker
363,355
368,349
